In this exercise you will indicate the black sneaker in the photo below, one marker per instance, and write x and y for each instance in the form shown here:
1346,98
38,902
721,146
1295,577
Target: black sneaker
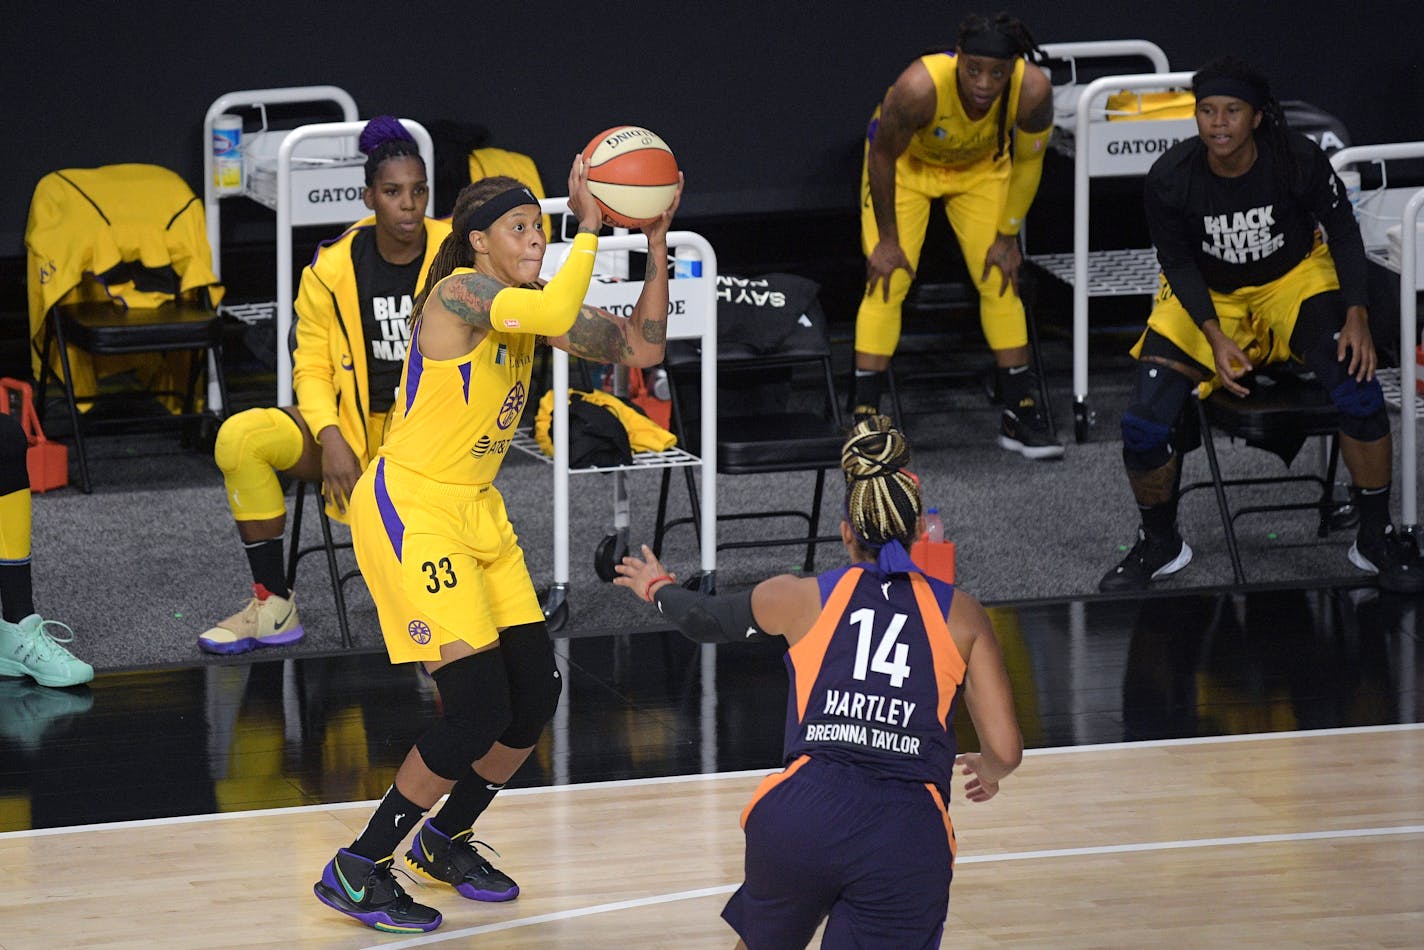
368,891
1024,429
1393,558
455,861
1149,559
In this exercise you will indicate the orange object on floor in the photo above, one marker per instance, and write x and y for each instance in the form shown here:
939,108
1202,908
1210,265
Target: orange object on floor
46,461
641,393
936,558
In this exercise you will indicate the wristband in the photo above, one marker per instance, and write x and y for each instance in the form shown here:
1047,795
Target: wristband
648,591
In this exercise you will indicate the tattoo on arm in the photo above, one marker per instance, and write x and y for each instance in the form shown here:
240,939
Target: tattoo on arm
655,332
599,336
651,270
469,297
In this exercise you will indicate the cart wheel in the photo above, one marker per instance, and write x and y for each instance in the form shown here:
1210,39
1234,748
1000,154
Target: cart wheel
558,617
610,551
1081,420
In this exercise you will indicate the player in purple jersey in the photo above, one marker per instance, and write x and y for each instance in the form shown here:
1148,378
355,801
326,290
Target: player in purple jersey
854,830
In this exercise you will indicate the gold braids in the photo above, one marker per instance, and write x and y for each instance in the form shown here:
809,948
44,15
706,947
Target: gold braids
882,496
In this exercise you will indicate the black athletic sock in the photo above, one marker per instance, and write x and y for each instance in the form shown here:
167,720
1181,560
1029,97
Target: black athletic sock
395,816
869,387
268,568
1018,388
17,592
468,800
1374,508
1160,521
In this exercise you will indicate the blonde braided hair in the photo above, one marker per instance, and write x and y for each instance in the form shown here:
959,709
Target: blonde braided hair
882,497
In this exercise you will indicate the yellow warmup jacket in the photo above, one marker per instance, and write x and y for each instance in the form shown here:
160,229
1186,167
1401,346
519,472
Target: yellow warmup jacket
329,367
87,227
644,435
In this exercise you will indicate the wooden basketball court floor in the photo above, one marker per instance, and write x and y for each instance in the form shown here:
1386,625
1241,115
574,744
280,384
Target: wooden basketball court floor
1236,768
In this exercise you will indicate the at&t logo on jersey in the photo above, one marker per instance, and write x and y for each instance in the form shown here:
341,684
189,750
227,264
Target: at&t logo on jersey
487,446
419,631
513,406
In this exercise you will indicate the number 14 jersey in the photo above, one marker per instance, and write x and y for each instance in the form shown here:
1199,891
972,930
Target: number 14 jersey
874,681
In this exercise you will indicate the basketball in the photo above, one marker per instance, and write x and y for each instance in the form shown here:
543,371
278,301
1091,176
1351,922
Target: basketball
632,175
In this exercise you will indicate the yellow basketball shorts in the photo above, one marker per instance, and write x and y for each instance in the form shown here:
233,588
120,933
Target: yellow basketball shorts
442,562
972,199
1258,319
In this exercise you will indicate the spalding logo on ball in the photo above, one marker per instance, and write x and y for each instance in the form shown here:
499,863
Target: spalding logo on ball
632,174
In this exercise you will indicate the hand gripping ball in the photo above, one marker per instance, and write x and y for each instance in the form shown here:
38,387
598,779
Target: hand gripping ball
632,174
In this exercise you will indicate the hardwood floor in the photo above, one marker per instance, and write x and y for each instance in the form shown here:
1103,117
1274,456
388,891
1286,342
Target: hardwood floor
1207,769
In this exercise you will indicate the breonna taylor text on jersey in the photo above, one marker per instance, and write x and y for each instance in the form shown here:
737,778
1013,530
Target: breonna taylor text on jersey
873,682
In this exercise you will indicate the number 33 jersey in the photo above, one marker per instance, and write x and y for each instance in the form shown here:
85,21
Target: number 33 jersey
874,681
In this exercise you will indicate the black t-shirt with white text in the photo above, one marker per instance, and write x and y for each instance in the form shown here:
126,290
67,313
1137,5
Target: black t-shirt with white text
386,292
1222,234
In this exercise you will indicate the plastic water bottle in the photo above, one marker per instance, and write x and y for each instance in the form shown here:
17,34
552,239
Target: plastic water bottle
686,262
934,528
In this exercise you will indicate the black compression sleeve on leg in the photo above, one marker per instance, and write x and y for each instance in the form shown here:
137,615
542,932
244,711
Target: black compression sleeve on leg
534,682
709,618
474,694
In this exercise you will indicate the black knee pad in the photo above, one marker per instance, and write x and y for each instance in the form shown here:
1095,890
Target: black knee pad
14,476
474,696
1316,340
534,682
1147,424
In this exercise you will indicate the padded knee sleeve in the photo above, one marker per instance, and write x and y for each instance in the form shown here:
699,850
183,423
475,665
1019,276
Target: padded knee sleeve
1146,443
1361,405
534,682
474,697
251,448
14,475
1147,424
1316,339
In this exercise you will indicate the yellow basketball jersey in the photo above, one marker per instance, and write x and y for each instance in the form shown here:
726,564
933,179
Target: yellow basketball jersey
453,420
952,138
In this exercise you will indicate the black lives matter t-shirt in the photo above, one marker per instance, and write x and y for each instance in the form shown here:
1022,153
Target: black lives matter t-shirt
1227,233
387,293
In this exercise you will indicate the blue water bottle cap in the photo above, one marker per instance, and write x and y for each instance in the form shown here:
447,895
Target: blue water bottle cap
934,511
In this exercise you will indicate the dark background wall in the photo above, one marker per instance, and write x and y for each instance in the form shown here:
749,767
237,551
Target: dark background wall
763,102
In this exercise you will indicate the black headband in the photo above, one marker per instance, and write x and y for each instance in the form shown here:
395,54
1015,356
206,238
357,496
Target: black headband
1227,86
495,208
991,43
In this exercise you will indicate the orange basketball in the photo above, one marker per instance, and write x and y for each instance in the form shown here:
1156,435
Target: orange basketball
632,175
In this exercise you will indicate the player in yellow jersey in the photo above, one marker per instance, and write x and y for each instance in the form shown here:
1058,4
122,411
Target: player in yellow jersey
352,310
436,547
966,130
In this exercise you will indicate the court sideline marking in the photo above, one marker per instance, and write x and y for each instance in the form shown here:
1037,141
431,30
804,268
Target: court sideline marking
701,777
441,936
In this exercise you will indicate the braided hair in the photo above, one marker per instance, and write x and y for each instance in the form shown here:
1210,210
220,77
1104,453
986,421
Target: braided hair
455,250
1010,34
1274,131
383,139
882,497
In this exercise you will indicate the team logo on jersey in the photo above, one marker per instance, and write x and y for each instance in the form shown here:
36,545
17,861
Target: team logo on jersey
419,631
513,405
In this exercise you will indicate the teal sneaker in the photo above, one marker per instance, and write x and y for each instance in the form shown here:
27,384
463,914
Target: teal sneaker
28,648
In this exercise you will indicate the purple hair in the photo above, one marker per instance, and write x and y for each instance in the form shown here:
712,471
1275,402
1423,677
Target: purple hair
385,138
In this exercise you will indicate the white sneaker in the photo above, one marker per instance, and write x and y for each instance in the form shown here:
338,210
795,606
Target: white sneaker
266,621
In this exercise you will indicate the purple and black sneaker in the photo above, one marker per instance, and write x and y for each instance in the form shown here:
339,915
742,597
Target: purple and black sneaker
455,861
368,891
